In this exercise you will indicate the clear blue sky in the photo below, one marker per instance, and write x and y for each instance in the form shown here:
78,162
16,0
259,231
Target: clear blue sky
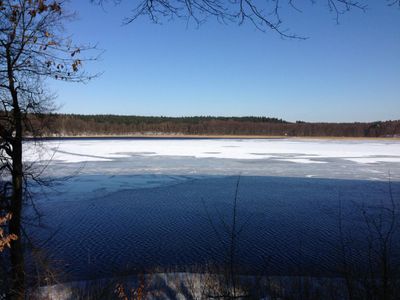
345,72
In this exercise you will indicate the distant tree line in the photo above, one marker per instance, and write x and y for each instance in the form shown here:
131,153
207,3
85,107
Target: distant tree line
81,125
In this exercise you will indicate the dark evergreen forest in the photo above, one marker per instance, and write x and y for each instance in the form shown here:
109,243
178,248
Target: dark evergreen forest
89,125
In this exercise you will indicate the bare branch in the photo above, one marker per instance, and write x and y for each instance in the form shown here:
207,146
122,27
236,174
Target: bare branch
263,15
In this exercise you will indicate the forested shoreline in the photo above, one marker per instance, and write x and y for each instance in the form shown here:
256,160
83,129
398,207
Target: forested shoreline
95,125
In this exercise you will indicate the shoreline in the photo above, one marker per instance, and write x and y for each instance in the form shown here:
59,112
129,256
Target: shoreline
188,136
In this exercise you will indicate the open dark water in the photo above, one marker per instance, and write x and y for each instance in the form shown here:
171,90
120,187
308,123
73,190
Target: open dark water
284,225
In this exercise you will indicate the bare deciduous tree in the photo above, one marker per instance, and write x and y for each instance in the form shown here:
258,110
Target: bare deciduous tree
33,47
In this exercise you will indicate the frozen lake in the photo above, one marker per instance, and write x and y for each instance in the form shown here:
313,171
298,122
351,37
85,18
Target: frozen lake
123,205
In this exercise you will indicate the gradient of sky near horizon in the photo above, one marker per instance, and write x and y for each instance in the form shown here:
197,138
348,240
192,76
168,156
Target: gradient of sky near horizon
345,72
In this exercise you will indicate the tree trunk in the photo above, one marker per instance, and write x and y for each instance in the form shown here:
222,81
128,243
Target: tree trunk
16,249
